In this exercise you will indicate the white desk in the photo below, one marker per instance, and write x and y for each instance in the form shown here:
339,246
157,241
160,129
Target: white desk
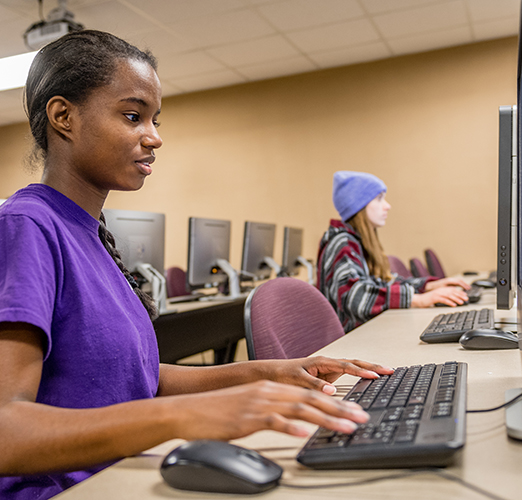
489,459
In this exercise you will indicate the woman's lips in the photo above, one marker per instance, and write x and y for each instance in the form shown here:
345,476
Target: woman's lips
144,167
145,164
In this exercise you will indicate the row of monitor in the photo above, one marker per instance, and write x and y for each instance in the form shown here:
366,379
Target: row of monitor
140,238
140,235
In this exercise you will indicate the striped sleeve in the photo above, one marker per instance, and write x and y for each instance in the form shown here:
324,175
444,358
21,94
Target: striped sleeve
344,279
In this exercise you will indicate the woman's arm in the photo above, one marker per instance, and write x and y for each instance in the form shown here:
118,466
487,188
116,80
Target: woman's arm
37,438
313,373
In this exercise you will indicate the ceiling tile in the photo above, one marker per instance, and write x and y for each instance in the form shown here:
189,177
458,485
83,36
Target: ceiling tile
209,80
184,65
259,2
113,17
12,37
431,41
205,43
168,89
353,55
485,10
380,6
254,51
223,29
7,15
298,14
281,67
431,18
334,36
162,43
496,29
173,11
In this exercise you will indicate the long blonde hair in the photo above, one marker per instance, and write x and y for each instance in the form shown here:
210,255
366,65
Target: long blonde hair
378,263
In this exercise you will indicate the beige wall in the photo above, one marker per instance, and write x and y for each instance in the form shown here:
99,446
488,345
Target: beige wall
426,124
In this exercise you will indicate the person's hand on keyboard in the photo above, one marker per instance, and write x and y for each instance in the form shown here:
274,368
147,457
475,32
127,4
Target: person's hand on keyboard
448,295
432,285
319,372
236,412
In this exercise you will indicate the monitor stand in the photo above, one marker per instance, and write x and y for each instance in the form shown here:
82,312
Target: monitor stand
309,268
234,291
272,264
514,414
158,284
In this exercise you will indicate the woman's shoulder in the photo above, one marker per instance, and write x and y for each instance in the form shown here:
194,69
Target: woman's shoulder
46,207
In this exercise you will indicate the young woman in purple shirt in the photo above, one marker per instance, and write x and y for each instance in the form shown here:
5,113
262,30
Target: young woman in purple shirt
80,380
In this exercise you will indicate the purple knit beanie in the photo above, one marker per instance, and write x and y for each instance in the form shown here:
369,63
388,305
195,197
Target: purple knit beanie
352,191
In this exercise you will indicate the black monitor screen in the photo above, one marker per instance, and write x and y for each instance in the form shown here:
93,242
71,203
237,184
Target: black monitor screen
292,250
140,237
258,244
209,240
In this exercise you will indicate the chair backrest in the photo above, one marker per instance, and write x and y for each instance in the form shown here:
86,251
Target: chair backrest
398,267
176,282
418,269
433,263
288,318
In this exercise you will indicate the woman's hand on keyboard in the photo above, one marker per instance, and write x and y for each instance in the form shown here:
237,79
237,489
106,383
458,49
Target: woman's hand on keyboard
432,285
238,411
319,372
448,295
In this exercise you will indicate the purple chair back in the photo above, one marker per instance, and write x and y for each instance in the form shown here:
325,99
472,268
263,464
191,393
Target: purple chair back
398,267
433,263
288,318
418,269
176,282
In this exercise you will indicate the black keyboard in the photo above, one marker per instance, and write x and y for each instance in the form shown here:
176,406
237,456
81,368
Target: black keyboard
474,294
450,327
417,419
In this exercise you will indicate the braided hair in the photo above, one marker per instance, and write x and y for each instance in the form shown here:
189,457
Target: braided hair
72,67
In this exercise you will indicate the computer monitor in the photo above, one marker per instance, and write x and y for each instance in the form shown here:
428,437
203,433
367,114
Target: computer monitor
292,249
208,263
507,208
292,254
140,239
257,260
513,413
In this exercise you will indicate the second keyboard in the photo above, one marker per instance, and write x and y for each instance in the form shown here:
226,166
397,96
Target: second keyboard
450,327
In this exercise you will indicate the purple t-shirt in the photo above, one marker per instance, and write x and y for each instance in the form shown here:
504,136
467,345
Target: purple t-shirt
101,347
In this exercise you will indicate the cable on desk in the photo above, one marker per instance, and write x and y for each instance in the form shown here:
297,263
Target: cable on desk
505,405
438,472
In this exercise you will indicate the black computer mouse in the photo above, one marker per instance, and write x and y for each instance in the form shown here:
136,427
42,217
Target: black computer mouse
219,467
488,339
484,283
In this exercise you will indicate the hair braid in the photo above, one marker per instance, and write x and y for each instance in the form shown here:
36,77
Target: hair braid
109,243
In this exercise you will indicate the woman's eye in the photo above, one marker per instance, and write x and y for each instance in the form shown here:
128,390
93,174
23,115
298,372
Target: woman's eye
156,123
133,117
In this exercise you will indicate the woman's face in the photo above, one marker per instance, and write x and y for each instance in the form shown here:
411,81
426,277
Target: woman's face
377,210
117,129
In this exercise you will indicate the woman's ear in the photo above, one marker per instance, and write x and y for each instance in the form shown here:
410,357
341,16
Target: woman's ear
59,111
